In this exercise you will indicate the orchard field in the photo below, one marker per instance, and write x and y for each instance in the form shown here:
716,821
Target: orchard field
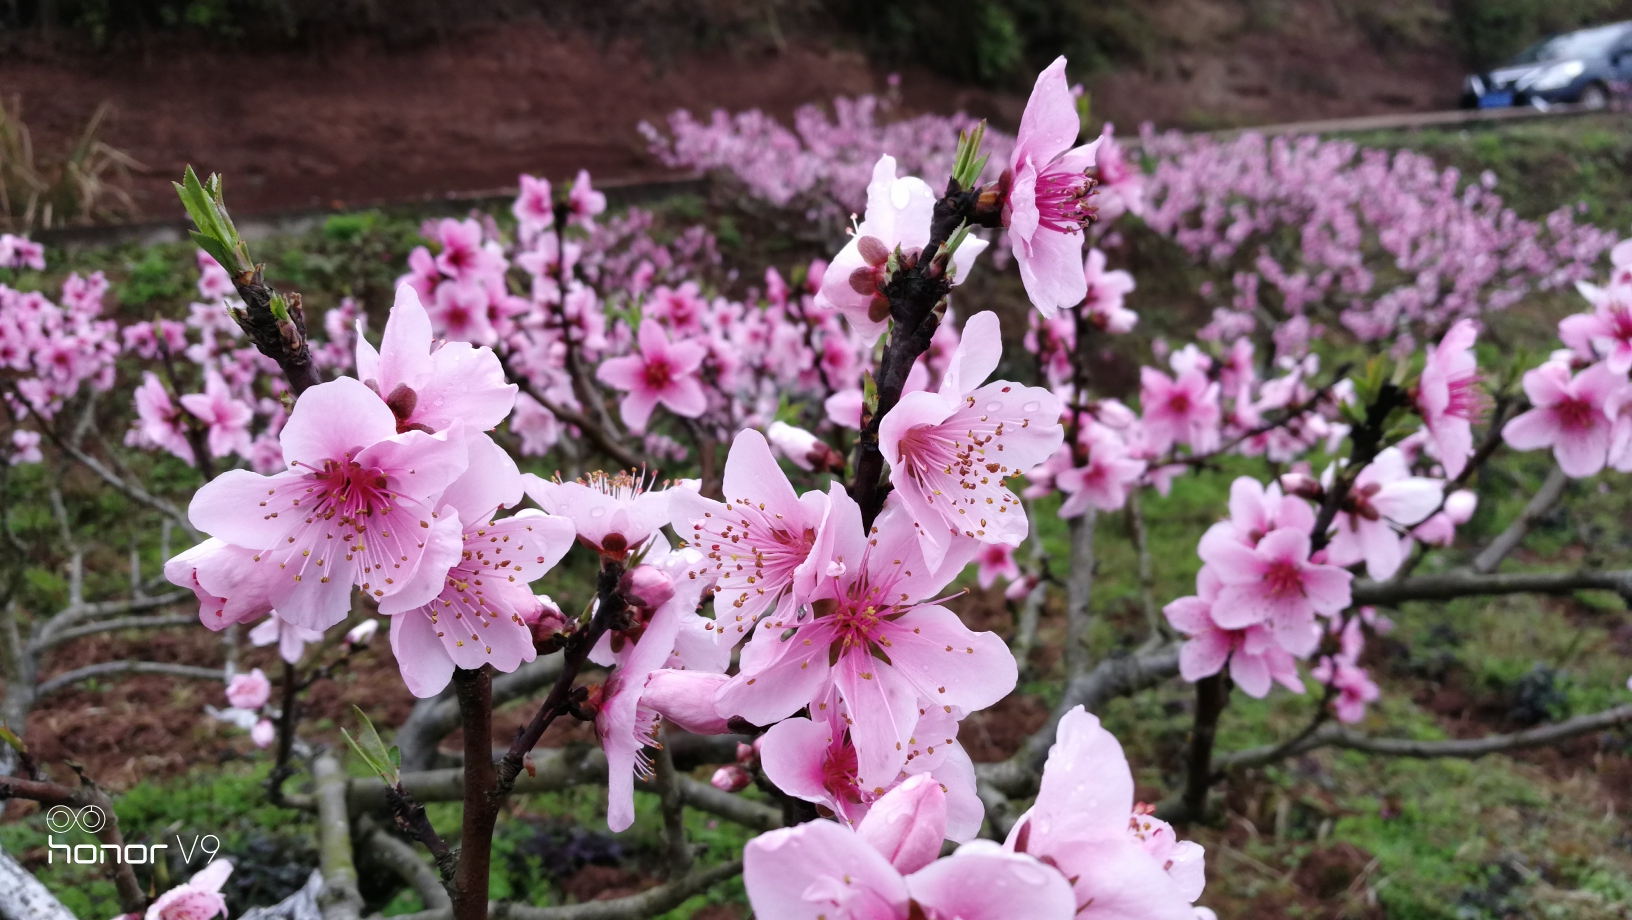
1306,317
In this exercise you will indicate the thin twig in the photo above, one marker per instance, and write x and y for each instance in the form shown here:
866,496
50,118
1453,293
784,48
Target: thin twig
1552,489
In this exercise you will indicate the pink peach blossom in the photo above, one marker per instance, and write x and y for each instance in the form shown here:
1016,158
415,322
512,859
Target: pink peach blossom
824,871
1274,583
1180,410
198,898
1570,416
249,691
1047,207
480,611
228,418
1084,823
766,545
534,208
584,202
1106,290
994,561
1343,672
428,384
876,640
662,372
897,218
1255,659
354,508
1384,500
614,514
159,421
1449,398
951,452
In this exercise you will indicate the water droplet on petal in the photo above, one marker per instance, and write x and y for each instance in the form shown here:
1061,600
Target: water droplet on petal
1032,406
993,407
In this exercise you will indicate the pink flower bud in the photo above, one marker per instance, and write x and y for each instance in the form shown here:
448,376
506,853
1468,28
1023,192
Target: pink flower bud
686,698
263,734
363,632
731,778
1020,587
646,586
908,824
807,451
1460,505
249,691
746,755
1302,485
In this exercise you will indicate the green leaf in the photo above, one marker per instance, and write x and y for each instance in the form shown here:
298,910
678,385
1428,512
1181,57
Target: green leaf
367,744
10,738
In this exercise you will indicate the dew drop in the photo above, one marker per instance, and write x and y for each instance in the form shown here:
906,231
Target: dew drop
993,407
1031,406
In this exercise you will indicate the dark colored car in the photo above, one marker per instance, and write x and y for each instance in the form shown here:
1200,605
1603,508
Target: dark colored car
1583,67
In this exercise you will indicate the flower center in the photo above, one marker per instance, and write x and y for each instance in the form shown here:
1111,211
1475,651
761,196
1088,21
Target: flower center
658,374
1283,579
350,490
1062,201
1575,413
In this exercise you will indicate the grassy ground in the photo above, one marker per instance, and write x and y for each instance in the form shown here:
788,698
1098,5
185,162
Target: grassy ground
1334,835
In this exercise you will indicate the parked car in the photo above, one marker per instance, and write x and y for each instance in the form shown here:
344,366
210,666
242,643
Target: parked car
1582,67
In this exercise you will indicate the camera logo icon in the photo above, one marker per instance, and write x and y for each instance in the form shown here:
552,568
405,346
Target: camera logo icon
61,819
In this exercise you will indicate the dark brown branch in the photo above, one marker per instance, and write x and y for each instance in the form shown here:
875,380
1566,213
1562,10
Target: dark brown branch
1341,737
470,882
1451,585
282,768
593,431
410,817
611,607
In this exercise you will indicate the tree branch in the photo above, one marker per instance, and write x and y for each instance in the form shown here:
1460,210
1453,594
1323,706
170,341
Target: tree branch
1079,590
433,719
401,860
110,668
1111,678
179,619
1552,489
1450,585
1342,737
339,898
650,903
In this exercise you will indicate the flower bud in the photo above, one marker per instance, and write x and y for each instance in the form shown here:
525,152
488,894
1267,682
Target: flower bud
686,698
1460,505
249,691
1302,485
363,632
646,586
908,824
263,734
731,778
804,449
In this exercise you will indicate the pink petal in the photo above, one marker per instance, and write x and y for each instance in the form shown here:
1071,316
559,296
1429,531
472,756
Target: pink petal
978,353
685,397
802,873
1116,880
1049,125
626,373
793,754
425,665
1532,430
333,418
636,409
883,709
977,672
1087,788
1251,674
982,882
1204,655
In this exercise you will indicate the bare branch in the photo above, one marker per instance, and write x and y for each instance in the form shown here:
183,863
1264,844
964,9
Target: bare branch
433,719
650,903
1341,737
68,616
111,668
1111,678
1079,588
1147,580
1449,585
672,802
557,770
339,898
1542,502
179,619
403,861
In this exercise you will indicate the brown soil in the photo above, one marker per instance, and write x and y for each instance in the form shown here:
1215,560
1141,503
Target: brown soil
359,123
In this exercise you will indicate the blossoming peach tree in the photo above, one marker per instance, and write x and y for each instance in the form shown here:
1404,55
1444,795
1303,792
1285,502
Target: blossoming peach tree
792,629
